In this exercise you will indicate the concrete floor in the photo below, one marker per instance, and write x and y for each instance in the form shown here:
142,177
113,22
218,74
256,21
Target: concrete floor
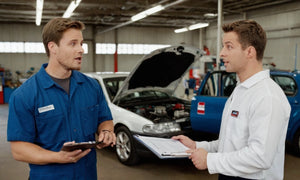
109,168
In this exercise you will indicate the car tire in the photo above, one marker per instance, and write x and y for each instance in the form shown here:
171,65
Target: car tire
125,148
296,143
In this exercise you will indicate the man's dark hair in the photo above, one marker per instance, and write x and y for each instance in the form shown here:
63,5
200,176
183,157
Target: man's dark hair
250,33
55,28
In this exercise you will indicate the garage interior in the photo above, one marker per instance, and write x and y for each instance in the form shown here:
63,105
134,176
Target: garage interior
109,25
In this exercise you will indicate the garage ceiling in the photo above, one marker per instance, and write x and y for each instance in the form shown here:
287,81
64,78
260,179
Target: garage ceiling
112,13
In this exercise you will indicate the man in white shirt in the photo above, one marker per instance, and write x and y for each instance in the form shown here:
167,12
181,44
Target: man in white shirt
251,142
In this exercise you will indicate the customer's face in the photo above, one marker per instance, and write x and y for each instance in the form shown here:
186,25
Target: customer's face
69,52
232,53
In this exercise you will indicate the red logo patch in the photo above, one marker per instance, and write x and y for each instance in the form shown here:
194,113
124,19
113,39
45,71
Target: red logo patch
234,113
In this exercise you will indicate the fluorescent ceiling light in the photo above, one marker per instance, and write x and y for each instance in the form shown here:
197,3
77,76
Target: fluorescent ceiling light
198,26
147,12
39,11
154,10
210,15
73,5
191,27
181,30
138,17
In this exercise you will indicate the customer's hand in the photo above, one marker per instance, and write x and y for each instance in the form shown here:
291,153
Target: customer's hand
108,138
199,158
186,141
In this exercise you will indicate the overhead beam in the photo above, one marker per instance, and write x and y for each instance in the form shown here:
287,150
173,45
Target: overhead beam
129,22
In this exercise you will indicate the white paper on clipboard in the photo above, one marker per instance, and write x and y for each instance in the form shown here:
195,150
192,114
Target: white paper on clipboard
164,147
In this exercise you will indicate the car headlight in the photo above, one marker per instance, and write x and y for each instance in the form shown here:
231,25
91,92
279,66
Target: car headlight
160,128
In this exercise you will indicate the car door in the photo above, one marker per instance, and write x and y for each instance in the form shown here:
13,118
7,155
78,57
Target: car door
290,88
207,106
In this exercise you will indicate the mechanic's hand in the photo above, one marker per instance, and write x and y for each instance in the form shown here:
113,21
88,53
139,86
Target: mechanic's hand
186,141
199,158
72,156
108,138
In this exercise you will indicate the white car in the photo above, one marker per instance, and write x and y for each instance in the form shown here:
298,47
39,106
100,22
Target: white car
145,103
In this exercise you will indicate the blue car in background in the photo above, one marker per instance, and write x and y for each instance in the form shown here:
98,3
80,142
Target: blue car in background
207,106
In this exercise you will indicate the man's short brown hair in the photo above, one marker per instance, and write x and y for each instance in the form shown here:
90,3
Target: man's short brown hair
55,28
250,33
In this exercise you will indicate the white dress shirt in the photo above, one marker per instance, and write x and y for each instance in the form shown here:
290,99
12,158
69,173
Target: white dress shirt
251,142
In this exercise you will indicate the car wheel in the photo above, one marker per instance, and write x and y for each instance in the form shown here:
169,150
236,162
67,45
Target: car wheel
125,148
296,143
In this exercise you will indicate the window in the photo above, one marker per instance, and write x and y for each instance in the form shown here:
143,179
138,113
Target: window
105,48
11,47
210,88
287,84
229,83
110,48
28,47
220,84
34,47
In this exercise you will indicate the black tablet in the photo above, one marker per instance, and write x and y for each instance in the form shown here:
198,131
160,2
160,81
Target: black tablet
82,145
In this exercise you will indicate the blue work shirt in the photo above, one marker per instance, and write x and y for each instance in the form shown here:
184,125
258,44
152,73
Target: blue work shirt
41,112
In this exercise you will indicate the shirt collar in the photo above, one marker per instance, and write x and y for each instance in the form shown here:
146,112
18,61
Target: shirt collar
47,82
256,78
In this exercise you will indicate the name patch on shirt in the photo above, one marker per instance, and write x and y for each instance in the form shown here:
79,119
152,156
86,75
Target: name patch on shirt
46,108
234,113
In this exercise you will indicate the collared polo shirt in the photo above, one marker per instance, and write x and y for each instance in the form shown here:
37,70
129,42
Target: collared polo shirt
41,112
251,142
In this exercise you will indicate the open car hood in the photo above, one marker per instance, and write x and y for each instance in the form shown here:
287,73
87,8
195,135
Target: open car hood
161,69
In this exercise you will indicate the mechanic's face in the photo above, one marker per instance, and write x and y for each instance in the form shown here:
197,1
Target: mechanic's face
232,53
69,52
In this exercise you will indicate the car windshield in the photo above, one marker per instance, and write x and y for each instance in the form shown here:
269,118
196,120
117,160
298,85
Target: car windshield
112,85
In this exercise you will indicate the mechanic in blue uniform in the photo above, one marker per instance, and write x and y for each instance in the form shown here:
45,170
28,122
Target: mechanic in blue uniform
251,143
57,106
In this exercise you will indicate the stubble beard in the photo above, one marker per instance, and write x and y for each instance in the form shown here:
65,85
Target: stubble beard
70,67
